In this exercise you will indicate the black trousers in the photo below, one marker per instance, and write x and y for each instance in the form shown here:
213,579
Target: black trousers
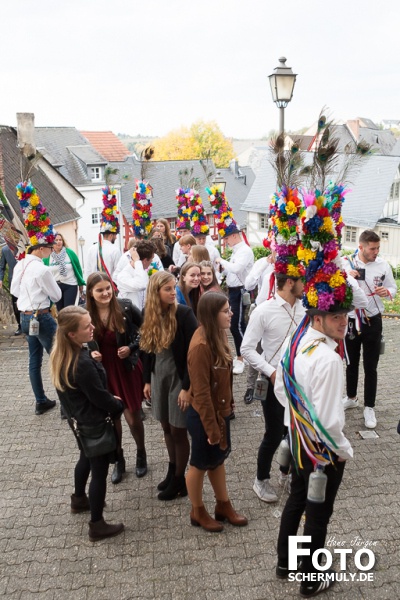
317,515
274,432
17,314
69,293
98,466
370,340
238,324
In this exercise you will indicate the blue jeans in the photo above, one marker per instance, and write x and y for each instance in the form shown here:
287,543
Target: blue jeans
36,344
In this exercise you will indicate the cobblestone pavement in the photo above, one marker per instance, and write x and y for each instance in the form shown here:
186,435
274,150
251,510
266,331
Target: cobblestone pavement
45,552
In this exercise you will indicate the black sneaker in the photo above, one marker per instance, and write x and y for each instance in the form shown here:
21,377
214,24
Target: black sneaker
18,332
42,407
308,589
248,397
282,570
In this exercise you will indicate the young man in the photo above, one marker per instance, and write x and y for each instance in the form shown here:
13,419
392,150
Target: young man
110,254
132,280
35,287
8,258
236,270
272,322
318,371
375,278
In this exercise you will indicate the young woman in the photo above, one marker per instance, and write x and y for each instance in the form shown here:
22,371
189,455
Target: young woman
208,279
81,386
115,345
67,271
169,239
198,253
165,337
188,289
161,251
211,401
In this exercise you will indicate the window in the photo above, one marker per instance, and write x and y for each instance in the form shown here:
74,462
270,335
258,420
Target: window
385,235
96,212
172,224
95,173
396,189
392,190
263,221
211,220
351,234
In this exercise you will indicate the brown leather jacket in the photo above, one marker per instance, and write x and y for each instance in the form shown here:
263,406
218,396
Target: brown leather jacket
210,389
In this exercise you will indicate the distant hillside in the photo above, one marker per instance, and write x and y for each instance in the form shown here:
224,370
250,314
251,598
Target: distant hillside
135,143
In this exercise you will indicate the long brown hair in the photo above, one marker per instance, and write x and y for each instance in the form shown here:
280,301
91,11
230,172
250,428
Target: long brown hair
65,352
199,253
167,234
214,285
208,309
192,296
116,318
159,327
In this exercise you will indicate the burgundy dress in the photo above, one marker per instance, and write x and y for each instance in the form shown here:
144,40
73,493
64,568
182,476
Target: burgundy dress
128,385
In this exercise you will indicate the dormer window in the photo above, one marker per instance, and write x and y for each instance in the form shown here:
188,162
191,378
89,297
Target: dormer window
95,173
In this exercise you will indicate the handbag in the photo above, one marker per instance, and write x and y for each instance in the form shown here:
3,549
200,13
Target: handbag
96,440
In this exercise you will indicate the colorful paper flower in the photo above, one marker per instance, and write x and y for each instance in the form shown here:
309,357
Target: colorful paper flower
109,214
141,209
36,219
223,215
198,218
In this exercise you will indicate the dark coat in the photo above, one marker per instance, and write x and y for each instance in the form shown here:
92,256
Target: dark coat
89,402
210,389
186,326
133,320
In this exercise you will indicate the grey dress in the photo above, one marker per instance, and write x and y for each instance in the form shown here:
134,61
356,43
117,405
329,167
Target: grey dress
165,389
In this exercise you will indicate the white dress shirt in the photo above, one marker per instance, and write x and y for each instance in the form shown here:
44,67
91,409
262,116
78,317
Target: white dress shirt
111,256
239,264
272,322
132,283
259,276
34,284
320,375
377,273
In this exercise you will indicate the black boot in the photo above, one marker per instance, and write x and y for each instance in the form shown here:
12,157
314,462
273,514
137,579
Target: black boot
176,487
79,503
101,530
119,470
141,463
164,483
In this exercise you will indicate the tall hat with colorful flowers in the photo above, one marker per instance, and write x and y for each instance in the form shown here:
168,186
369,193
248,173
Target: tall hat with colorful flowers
223,215
184,206
141,209
109,219
198,218
36,219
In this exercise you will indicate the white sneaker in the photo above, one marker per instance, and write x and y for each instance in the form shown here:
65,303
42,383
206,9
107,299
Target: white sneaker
369,417
238,367
264,490
349,402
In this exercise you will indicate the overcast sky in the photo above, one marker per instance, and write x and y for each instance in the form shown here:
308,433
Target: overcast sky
149,66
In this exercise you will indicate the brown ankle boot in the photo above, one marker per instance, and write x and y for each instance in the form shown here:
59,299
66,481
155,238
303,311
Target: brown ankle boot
101,530
199,517
79,503
225,511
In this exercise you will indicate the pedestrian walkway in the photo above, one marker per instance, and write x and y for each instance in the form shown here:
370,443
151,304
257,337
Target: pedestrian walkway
45,552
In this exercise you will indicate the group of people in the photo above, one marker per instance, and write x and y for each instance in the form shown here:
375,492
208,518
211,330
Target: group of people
164,339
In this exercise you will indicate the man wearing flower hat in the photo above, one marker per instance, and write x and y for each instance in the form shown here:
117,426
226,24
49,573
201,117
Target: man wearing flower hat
309,383
36,288
103,256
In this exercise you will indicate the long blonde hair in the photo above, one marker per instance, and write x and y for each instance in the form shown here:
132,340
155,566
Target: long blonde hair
65,353
159,329
208,309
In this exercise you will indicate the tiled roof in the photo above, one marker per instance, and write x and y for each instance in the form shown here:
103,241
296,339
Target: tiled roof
108,144
68,151
58,208
164,178
364,205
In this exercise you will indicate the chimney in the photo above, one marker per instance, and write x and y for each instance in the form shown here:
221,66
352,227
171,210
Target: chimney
26,134
354,126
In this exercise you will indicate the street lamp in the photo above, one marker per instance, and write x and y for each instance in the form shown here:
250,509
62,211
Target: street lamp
219,181
282,84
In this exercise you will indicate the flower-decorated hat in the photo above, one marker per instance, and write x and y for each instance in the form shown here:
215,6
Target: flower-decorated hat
183,199
141,209
109,219
326,288
198,218
36,219
223,215
284,217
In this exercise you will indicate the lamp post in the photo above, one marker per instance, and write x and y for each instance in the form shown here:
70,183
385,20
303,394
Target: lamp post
81,242
282,84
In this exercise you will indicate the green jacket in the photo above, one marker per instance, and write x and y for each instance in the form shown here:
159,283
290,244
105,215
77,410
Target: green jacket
76,265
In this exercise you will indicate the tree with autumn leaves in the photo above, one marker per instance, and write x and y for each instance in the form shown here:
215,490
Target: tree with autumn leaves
203,140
